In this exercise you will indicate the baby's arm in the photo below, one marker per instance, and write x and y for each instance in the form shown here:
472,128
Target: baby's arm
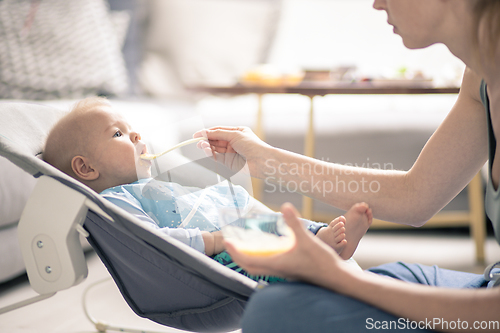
213,242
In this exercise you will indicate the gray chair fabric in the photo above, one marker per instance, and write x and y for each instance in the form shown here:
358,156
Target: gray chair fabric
161,278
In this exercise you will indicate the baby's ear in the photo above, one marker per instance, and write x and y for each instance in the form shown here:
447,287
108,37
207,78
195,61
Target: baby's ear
82,168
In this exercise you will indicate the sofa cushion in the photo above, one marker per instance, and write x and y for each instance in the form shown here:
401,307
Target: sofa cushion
196,41
15,188
59,49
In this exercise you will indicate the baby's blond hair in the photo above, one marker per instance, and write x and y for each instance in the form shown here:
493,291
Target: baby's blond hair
67,137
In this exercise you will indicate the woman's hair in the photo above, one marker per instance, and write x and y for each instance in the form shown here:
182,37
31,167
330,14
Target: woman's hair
487,27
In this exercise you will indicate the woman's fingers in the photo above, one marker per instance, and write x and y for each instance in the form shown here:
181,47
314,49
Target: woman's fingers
253,265
284,264
292,218
219,139
208,146
220,133
227,145
223,155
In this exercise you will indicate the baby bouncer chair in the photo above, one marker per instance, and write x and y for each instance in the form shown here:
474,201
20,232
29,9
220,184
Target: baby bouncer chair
159,277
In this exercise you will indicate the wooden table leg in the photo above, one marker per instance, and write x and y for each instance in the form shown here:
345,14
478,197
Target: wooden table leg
258,184
259,125
476,215
307,202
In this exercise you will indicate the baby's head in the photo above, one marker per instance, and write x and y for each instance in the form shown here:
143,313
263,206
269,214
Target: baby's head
95,145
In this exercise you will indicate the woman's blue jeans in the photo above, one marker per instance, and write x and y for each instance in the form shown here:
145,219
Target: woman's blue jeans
298,307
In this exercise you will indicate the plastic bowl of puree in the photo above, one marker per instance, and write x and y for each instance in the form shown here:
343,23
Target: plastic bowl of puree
256,234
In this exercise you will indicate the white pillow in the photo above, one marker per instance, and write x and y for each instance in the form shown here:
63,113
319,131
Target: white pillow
199,41
59,49
15,188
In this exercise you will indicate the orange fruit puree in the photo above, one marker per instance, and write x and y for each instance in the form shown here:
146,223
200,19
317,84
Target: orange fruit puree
258,249
263,252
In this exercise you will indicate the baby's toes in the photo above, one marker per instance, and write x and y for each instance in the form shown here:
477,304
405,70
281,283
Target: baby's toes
337,220
340,237
336,227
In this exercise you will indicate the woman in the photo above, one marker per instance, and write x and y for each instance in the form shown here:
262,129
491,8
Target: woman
334,298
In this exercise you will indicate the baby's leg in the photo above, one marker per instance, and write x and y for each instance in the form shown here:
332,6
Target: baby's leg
344,233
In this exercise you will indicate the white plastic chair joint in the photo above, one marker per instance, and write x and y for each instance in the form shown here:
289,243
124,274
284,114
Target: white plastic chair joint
48,233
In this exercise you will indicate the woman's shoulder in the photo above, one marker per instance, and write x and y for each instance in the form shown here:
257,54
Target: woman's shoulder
471,86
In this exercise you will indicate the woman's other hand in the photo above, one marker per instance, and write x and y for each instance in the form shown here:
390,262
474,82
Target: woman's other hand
233,147
309,260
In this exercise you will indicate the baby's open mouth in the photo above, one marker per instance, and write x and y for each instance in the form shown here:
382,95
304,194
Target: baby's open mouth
142,152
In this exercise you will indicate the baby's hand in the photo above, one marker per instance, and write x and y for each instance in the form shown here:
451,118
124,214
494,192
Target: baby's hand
213,242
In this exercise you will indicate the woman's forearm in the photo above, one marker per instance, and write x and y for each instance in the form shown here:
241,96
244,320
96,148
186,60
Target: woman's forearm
388,192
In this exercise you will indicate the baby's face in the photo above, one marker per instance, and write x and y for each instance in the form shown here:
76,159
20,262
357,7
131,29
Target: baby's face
116,148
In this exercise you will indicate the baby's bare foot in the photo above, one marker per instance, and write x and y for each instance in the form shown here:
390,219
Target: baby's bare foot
358,220
334,234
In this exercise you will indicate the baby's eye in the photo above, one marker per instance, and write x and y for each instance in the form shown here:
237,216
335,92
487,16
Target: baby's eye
117,134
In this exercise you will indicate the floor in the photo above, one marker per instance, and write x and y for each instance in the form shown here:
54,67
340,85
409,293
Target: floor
64,313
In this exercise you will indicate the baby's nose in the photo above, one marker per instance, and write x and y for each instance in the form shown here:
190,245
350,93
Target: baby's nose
135,137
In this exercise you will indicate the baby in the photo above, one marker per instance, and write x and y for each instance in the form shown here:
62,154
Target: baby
96,146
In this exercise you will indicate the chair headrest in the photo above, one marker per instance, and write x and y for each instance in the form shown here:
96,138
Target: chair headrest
23,130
